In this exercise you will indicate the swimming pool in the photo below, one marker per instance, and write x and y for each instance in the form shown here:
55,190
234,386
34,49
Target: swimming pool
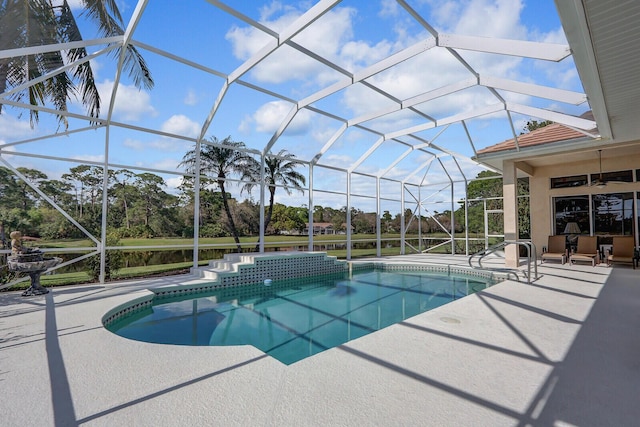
292,320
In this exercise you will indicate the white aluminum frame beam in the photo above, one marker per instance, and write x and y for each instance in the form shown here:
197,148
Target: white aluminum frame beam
541,113
539,91
525,49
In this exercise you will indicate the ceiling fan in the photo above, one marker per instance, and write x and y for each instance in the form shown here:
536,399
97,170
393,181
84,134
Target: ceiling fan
600,182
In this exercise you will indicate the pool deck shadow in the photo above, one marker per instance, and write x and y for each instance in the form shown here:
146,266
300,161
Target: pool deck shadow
561,351
598,382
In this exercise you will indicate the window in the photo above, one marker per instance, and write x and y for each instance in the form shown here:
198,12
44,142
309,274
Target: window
613,213
619,176
569,181
572,215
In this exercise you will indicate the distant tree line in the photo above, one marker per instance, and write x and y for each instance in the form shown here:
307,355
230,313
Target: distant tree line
139,205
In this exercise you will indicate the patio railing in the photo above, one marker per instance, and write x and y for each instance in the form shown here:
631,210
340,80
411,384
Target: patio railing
531,256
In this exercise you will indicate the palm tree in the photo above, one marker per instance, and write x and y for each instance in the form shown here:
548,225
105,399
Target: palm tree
220,161
280,170
29,23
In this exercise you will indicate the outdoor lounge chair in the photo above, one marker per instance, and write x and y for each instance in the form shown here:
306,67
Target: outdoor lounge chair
556,249
622,251
587,250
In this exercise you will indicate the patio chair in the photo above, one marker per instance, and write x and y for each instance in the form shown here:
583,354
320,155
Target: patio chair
556,249
622,251
587,250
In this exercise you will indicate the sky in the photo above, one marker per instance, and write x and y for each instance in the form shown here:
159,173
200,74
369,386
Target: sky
354,35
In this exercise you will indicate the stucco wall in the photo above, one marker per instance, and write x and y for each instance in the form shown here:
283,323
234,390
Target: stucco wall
541,193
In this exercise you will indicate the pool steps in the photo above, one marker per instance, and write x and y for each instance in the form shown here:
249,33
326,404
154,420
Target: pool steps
239,269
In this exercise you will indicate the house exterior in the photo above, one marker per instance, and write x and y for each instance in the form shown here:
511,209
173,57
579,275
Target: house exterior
320,228
578,186
325,228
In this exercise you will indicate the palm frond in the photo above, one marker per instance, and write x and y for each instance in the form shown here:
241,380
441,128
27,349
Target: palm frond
106,14
137,68
69,31
280,169
38,22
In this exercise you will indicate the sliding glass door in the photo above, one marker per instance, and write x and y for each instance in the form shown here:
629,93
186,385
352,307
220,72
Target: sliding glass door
613,214
599,214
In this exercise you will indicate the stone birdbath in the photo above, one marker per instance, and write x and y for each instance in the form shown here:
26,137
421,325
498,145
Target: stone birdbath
33,263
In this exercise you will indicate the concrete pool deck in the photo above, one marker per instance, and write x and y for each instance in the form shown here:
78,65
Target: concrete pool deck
563,351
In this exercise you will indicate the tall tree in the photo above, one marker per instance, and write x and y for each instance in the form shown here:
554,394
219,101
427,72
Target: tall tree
151,194
10,196
288,219
123,190
87,181
221,160
26,192
280,171
58,191
30,23
386,222
318,213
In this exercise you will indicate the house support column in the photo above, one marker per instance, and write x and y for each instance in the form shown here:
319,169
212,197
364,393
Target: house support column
510,215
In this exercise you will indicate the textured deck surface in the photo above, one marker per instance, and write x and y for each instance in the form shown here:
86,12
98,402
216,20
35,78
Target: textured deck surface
562,351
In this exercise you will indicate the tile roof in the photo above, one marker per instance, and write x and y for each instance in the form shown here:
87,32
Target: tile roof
554,132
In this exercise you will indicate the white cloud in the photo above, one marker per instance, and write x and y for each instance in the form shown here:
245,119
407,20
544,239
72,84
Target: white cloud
334,37
179,124
389,8
246,41
556,36
174,183
133,144
12,128
169,164
358,54
161,144
245,125
170,145
270,115
325,37
322,134
96,67
191,98
337,160
131,103
472,18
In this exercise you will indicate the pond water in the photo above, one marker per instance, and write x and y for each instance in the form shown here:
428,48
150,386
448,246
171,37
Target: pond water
139,258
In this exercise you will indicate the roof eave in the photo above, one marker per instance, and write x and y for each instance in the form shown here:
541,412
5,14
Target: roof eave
576,28
496,159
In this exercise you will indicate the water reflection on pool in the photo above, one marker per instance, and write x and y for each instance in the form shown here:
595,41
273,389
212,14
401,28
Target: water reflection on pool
291,321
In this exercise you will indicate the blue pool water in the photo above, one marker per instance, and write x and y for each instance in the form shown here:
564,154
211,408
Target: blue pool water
291,321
